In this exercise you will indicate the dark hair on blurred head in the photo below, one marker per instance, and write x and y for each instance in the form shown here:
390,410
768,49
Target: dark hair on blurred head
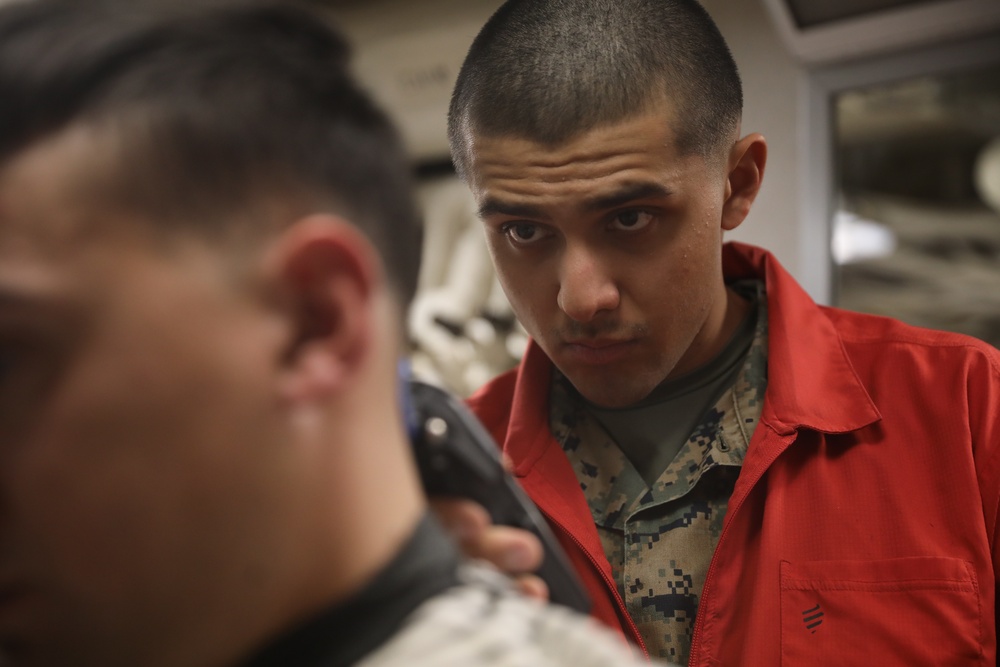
212,108
549,70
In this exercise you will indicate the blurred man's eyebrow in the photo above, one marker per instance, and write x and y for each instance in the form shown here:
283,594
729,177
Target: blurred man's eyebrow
25,300
9,298
616,198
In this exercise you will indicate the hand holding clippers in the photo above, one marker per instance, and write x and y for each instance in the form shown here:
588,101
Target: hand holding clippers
457,457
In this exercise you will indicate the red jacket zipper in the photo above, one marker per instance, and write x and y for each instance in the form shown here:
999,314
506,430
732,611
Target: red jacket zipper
622,610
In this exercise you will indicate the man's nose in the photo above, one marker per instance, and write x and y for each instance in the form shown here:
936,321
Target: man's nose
586,287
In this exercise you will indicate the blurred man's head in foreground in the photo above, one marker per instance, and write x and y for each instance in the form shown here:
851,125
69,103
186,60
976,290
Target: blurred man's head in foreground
206,239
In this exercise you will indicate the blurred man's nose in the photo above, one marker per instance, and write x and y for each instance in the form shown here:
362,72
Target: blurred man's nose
586,287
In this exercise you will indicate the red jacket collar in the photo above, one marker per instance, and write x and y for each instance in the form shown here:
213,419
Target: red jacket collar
811,382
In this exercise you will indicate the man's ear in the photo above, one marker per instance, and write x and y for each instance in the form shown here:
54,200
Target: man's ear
745,171
326,272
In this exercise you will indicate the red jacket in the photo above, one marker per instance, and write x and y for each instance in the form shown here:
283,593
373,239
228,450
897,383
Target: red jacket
863,527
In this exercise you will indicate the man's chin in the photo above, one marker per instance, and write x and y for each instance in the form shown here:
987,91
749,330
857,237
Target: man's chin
605,393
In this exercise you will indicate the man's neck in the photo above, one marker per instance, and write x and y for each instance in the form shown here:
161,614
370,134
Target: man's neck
714,335
340,635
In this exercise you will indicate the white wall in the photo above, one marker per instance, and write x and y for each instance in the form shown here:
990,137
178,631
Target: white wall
772,85
409,52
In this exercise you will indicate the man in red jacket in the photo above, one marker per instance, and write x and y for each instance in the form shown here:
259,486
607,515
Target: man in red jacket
741,476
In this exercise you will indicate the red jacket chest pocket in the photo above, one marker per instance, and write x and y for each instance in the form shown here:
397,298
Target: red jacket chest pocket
900,611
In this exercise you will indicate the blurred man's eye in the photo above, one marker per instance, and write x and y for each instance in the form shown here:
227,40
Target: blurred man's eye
7,361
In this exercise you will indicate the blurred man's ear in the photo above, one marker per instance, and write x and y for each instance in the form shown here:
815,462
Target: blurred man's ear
326,272
745,171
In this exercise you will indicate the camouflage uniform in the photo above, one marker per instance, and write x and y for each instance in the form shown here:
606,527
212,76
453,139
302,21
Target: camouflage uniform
485,623
429,608
660,540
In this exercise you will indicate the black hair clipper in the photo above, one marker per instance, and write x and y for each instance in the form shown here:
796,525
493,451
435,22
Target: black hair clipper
457,457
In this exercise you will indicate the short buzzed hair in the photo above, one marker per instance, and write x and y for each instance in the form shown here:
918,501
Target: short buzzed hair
549,70
212,107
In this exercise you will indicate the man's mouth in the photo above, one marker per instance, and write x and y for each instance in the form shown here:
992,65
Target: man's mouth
597,351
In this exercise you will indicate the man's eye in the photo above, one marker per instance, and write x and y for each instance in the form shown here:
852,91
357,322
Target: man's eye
522,232
632,220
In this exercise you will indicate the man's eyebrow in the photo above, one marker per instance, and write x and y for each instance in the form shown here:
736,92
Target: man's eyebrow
627,194
623,195
492,206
